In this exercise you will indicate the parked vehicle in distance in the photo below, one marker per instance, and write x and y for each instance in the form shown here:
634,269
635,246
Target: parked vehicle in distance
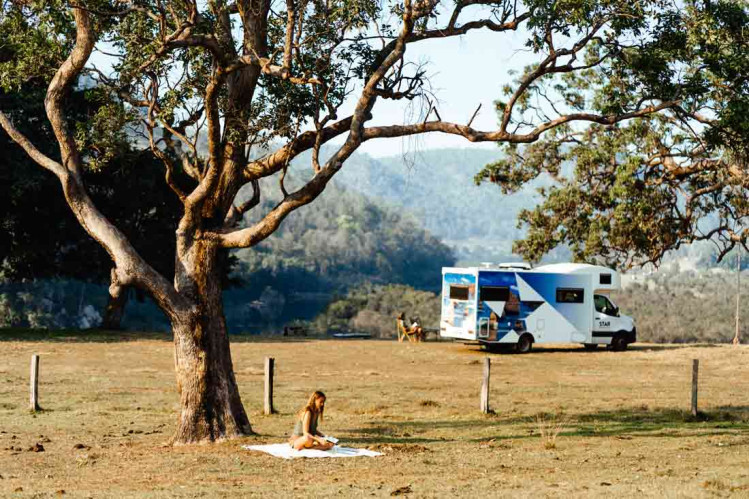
512,304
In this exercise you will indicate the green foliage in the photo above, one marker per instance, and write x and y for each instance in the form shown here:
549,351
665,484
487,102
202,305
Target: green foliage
102,135
621,208
41,237
373,309
36,39
344,240
643,187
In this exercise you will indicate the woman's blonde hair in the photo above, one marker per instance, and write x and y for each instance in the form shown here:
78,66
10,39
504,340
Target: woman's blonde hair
317,394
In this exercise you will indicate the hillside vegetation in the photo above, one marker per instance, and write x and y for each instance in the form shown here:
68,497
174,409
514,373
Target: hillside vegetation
437,186
668,307
373,309
683,307
342,241
372,246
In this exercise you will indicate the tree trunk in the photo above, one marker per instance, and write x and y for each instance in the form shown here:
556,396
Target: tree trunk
210,405
114,311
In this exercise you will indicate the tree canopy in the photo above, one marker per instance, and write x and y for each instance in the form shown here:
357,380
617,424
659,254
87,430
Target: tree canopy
648,185
247,78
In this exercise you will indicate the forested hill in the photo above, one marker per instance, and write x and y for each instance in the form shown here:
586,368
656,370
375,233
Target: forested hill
384,220
437,186
342,240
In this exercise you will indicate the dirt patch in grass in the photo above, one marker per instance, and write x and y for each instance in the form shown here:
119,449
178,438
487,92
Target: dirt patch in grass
616,423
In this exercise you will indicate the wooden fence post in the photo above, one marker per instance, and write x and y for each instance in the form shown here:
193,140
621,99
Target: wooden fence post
485,386
695,375
268,405
34,384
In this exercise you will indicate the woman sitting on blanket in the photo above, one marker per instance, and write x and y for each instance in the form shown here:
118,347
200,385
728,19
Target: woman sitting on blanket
306,435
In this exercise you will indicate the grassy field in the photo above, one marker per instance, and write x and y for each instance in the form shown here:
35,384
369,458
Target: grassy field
567,423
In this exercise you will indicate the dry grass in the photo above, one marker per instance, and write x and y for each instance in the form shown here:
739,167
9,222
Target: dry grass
549,428
110,408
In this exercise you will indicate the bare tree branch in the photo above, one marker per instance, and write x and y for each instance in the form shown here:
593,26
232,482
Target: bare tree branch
502,136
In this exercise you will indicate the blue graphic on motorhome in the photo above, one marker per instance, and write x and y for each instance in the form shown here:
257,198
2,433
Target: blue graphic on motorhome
504,305
546,285
497,317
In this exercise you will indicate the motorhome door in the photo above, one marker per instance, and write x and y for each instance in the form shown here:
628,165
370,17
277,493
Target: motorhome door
604,317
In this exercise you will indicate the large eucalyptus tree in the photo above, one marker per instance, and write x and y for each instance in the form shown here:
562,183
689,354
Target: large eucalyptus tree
262,81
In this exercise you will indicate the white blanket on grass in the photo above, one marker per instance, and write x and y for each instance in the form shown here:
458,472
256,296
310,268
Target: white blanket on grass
287,452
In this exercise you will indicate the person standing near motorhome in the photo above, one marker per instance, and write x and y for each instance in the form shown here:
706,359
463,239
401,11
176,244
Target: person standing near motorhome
306,435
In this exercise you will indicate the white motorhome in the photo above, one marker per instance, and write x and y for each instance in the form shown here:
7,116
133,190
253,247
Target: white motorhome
516,305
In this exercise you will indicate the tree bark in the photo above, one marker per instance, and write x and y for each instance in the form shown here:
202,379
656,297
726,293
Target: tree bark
210,406
114,311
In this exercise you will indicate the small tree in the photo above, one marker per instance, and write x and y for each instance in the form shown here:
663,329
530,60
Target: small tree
261,82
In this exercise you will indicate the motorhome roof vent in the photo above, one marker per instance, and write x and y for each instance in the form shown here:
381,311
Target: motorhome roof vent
515,265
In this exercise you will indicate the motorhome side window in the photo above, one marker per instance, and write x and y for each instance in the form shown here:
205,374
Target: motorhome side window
605,278
458,292
494,293
570,295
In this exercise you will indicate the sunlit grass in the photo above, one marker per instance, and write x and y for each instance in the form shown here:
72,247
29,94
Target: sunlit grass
566,421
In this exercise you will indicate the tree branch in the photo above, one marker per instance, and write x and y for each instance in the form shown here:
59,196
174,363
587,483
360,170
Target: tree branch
274,162
502,136
265,227
131,269
30,149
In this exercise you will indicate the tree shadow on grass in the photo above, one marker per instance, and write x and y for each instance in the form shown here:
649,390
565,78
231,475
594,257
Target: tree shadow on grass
657,347
79,335
386,435
625,423
673,423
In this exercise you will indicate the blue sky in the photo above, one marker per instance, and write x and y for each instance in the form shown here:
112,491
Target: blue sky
464,72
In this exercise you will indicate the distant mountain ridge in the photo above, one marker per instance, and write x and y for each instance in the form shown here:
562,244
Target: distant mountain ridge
437,186
478,222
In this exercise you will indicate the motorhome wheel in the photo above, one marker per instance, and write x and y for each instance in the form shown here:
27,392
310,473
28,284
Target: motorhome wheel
525,343
618,343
